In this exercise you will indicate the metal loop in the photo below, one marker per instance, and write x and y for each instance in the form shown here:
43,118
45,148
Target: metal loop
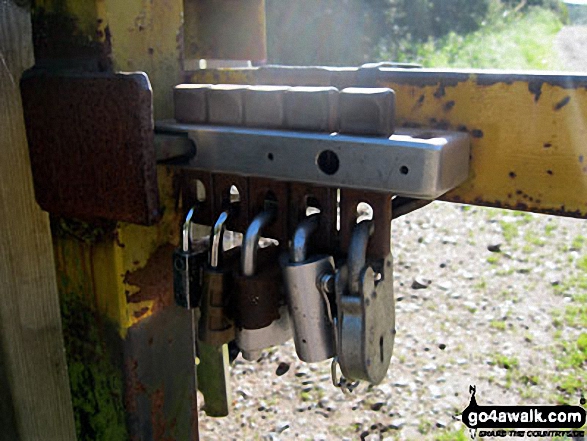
217,239
251,241
358,253
185,243
301,238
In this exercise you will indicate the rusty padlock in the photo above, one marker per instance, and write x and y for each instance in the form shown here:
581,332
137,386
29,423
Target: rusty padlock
262,317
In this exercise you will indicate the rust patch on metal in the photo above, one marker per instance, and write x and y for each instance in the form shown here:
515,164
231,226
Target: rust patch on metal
188,188
379,243
303,196
477,133
547,145
512,175
449,105
562,103
223,200
258,298
134,387
142,312
440,92
160,426
57,36
520,206
91,145
267,191
535,88
155,280
550,172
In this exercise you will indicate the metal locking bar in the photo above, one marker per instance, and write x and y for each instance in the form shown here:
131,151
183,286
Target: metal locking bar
414,163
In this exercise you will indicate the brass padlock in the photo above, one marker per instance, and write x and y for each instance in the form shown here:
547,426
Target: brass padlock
216,324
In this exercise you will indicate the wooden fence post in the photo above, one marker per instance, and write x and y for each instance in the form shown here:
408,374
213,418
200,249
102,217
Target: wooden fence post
35,400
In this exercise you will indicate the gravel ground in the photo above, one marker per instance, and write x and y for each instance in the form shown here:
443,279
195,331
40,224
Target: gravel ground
571,43
496,312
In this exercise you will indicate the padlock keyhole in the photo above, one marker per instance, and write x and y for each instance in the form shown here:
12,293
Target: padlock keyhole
381,349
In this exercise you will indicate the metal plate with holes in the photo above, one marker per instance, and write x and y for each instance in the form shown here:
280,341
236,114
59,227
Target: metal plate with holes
413,162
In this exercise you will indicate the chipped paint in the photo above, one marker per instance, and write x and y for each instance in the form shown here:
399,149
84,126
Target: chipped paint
513,120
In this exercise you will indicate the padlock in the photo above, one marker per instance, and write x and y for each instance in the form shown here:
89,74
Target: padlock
188,262
262,316
306,283
216,326
365,310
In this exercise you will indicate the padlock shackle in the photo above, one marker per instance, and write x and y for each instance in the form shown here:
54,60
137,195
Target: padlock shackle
217,239
357,258
251,242
186,243
301,238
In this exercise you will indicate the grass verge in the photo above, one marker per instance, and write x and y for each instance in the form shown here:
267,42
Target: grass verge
506,41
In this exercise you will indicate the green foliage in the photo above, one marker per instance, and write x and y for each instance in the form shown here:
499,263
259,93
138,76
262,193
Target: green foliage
452,436
509,230
448,33
506,362
571,353
513,41
498,324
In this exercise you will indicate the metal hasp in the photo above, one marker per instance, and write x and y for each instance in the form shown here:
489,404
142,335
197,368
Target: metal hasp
309,305
263,320
414,163
366,311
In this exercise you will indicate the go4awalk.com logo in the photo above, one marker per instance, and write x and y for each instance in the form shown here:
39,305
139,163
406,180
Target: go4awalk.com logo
523,421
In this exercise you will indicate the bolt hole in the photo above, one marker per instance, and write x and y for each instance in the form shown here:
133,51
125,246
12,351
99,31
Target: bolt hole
234,194
304,341
328,162
270,201
312,205
270,156
200,191
364,212
404,170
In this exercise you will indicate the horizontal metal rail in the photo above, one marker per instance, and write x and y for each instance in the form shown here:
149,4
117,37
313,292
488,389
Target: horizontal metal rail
414,163
528,129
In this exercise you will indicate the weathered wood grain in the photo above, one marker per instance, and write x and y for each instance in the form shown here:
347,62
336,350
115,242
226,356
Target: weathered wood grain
34,387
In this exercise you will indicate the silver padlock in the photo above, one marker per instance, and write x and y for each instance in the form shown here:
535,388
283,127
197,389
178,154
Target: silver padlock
262,316
366,311
306,280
